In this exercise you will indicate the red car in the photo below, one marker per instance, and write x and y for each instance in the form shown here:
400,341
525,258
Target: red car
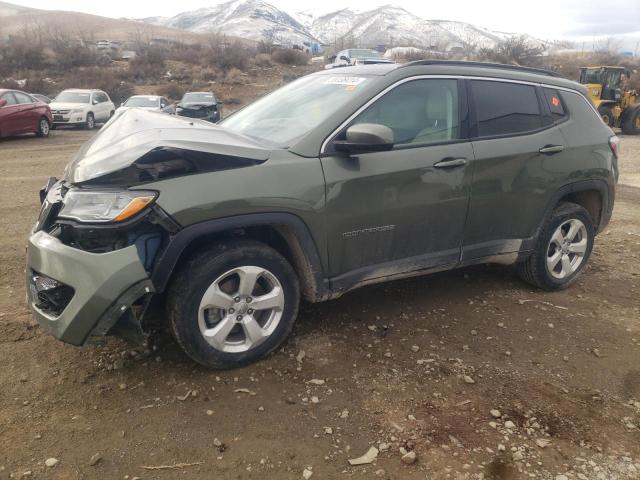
22,113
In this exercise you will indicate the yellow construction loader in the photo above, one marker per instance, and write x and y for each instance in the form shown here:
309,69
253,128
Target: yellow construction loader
618,105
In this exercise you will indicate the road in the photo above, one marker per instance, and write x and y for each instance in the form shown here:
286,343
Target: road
563,369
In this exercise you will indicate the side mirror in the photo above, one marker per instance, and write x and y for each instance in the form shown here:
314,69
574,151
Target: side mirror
95,102
3,102
346,59
366,137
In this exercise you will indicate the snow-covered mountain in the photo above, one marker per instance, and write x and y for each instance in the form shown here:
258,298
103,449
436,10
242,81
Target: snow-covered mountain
388,25
250,19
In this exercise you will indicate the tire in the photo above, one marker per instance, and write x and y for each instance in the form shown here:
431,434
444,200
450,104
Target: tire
43,127
90,124
607,114
631,124
535,270
189,319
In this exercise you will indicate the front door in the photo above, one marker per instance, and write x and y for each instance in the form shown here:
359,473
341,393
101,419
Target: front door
404,209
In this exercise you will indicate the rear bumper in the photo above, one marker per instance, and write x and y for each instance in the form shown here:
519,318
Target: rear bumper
104,286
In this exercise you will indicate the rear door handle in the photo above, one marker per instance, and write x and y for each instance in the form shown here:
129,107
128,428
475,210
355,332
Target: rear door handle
451,162
551,149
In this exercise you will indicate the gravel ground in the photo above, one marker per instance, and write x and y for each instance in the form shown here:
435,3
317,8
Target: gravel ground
472,370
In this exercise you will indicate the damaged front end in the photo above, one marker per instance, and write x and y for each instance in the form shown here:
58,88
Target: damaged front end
92,251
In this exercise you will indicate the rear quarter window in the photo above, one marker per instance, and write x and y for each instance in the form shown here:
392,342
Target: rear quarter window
556,106
505,108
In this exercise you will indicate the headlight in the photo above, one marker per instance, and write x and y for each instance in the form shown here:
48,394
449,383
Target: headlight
77,110
100,207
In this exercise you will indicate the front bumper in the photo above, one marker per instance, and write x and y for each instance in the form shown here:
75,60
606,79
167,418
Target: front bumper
69,119
105,285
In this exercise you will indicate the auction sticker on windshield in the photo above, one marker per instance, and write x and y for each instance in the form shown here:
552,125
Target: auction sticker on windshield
352,82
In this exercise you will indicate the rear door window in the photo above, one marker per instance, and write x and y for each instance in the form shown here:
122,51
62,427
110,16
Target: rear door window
22,98
505,108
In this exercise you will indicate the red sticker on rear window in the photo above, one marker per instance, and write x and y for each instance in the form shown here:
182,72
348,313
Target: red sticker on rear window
555,101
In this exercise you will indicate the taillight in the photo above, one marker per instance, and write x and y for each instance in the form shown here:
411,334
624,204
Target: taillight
614,144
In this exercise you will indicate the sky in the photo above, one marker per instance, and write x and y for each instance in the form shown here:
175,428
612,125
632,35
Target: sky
577,20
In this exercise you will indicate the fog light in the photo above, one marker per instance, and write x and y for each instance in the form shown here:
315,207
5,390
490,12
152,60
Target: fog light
43,283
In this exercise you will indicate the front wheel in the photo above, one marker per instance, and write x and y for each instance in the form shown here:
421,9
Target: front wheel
90,124
43,128
562,249
233,304
631,124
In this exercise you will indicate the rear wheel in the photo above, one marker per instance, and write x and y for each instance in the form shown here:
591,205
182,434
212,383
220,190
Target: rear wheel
631,124
562,249
43,127
607,114
233,304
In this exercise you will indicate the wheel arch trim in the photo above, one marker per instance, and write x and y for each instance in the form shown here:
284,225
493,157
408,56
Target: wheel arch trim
601,186
314,274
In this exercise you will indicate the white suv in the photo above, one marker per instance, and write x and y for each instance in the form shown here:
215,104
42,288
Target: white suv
81,107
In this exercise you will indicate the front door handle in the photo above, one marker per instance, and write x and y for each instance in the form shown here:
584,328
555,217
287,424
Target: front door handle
451,162
551,149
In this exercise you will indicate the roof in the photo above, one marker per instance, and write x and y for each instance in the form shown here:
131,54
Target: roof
458,68
617,67
83,90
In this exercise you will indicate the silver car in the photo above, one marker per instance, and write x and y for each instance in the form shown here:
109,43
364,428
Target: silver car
149,102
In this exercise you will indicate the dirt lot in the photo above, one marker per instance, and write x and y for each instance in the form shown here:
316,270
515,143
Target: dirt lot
397,360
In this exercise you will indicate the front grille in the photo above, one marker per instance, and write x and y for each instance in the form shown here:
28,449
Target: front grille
60,112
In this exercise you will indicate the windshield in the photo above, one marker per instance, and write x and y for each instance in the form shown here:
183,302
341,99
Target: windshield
364,54
295,109
198,98
73,97
149,102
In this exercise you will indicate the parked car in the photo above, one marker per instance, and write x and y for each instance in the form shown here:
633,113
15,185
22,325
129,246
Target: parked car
335,181
22,113
42,98
356,56
84,108
203,105
148,102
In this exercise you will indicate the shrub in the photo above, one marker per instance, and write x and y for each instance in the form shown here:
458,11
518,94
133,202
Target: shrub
95,77
173,91
148,64
262,60
233,76
288,56
230,56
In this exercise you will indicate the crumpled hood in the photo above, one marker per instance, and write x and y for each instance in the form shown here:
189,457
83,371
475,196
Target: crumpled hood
196,105
131,134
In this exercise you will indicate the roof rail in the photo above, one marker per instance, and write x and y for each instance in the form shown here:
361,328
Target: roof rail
503,66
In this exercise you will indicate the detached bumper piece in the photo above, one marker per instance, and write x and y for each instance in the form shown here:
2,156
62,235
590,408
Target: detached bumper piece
74,293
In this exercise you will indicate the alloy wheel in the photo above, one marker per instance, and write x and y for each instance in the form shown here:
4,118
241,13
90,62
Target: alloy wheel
567,248
44,127
241,309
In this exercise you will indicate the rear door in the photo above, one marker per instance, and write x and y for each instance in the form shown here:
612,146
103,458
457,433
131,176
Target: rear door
10,121
518,157
401,210
29,115
103,106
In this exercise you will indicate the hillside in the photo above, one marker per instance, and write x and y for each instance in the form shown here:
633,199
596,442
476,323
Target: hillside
387,25
16,20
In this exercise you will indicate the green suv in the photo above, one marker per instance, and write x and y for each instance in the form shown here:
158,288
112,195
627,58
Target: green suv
337,180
